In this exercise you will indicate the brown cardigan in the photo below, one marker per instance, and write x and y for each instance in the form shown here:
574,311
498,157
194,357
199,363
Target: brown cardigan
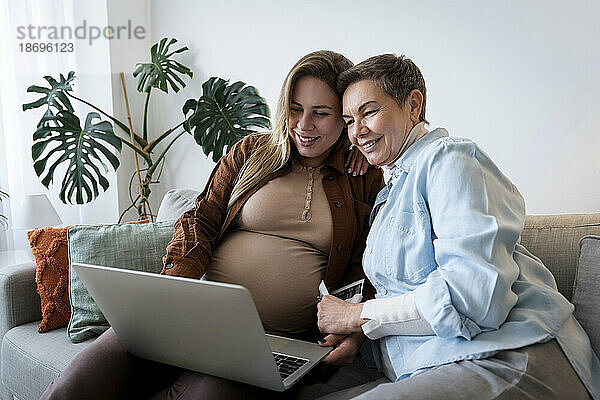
198,231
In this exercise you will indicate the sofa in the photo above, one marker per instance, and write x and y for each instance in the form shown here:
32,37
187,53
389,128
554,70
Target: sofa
29,361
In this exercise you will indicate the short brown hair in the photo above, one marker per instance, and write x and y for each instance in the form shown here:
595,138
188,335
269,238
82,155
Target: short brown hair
396,76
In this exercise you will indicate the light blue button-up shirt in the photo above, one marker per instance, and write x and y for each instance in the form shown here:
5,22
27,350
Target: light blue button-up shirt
449,232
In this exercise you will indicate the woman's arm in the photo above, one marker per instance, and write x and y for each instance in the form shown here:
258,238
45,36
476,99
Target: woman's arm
373,183
376,318
364,198
197,230
476,216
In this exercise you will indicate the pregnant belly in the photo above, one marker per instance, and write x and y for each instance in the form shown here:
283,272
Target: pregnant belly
282,275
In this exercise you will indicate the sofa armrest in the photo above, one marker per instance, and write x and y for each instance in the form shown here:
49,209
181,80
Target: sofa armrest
19,301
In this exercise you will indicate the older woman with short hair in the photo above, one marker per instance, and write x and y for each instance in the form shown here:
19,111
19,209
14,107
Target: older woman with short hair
462,310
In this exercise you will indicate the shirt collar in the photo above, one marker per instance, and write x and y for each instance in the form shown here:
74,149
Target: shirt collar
336,159
417,132
407,159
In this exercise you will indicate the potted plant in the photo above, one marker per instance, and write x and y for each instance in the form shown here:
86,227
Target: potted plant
225,113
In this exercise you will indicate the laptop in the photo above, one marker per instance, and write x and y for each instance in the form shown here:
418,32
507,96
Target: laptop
209,327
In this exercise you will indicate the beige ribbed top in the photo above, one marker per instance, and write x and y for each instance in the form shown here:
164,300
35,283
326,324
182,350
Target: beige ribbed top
279,249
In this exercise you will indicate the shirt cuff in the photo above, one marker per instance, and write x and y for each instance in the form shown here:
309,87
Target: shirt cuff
180,266
393,316
435,305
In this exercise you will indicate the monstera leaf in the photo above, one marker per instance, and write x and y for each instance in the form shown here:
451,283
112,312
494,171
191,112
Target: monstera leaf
54,96
3,218
162,69
224,114
82,148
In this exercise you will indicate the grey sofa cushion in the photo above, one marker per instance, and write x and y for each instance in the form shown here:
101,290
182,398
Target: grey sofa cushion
30,361
176,202
586,294
138,247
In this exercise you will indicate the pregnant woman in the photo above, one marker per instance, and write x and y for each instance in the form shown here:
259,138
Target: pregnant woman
280,212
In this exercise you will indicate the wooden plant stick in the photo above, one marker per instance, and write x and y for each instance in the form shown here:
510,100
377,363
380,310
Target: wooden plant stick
137,165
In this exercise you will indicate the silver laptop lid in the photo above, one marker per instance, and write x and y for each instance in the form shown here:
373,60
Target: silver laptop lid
216,330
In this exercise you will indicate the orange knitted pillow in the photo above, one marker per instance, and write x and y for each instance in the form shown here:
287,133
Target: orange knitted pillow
49,247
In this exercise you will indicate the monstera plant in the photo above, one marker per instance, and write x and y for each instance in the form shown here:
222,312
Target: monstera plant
224,114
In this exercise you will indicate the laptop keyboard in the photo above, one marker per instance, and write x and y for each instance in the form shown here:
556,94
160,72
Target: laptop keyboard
287,364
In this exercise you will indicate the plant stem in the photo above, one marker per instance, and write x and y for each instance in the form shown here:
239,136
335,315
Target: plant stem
139,140
141,152
127,209
145,133
121,125
137,164
156,141
160,157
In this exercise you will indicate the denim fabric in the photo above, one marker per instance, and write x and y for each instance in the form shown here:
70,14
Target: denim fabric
448,230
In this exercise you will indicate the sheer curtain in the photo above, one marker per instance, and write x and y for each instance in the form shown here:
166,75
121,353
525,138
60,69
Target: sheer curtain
20,69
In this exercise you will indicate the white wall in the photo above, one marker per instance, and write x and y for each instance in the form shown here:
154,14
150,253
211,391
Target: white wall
20,69
124,54
521,79
91,64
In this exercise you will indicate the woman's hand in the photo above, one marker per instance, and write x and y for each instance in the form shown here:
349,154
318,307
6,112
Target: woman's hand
356,163
338,316
346,348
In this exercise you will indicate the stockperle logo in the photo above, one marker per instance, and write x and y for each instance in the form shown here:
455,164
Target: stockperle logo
83,31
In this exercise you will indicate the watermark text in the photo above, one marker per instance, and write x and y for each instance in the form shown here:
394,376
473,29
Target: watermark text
83,31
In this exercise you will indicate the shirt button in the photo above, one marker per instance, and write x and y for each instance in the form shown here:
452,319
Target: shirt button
369,250
338,204
339,247
330,177
168,266
383,290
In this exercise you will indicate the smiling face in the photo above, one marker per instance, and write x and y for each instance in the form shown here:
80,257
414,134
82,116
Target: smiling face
377,125
314,121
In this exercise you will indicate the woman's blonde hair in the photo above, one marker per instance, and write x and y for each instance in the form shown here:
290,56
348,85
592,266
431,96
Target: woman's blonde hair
273,150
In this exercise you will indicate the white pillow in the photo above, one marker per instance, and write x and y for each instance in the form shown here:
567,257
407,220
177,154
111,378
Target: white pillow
175,203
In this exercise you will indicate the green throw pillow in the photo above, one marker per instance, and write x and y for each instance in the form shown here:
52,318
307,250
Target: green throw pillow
137,247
